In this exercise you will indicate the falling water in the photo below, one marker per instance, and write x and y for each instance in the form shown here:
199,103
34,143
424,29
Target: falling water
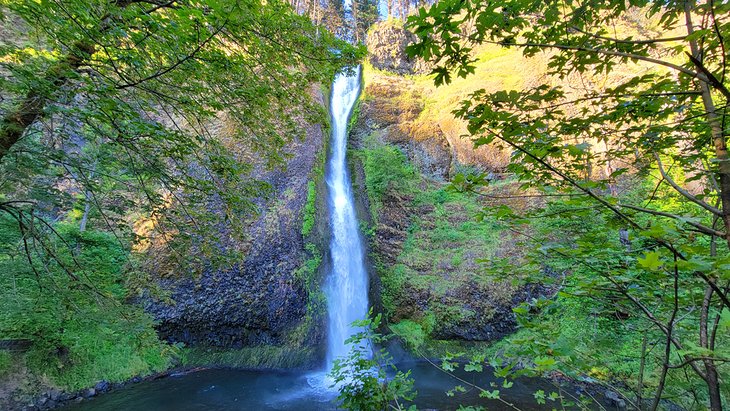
347,284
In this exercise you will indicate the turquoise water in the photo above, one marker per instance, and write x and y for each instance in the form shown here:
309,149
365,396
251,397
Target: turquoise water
231,389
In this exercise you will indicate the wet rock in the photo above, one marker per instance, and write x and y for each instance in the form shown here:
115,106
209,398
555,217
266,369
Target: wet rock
615,399
102,386
88,393
54,395
66,396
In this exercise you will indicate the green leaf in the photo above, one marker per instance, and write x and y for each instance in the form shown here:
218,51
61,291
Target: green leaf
724,323
544,362
473,367
697,35
651,261
492,395
539,396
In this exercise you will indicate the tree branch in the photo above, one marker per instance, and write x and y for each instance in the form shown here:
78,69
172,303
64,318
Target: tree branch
700,227
614,40
683,192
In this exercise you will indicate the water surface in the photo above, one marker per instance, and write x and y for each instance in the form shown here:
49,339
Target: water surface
232,389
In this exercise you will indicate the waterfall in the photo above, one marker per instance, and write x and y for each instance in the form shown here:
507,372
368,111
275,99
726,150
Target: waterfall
346,286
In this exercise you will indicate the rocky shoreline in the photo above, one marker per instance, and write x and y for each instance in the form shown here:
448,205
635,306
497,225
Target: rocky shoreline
54,398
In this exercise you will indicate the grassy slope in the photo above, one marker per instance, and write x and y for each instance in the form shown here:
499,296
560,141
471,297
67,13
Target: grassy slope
499,68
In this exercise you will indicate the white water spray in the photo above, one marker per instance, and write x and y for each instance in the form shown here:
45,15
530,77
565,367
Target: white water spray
347,284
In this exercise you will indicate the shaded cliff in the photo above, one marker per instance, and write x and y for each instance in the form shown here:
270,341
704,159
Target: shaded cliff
270,298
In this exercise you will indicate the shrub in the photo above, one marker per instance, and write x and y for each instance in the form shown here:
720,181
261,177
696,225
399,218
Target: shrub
82,331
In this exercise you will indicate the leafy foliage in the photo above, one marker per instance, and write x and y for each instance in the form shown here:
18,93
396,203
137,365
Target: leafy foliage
655,256
364,377
6,363
130,132
135,112
80,333
309,209
386,168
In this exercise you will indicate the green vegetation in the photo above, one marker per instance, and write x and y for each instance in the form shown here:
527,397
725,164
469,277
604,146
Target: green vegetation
439,253
355,114
310,211
309,274
143,151
81,333
637,235
130,132
411,332
367,380
427,293
6,363
262,356
129,136
386,168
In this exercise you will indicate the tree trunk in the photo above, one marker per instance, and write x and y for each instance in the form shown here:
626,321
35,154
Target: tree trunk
353,10
713,381
718,135
15,122
640,384
718,138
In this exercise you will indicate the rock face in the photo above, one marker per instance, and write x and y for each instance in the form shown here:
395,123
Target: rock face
425,241
390,111
387,42
259,300
492,319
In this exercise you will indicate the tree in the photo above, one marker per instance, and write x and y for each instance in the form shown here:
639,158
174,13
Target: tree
675,112
129,130
119,96
364,14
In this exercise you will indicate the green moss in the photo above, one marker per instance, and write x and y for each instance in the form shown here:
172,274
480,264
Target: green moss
354,115
263,356
310,210
386,168
438,260
410,332
439,256
308,274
